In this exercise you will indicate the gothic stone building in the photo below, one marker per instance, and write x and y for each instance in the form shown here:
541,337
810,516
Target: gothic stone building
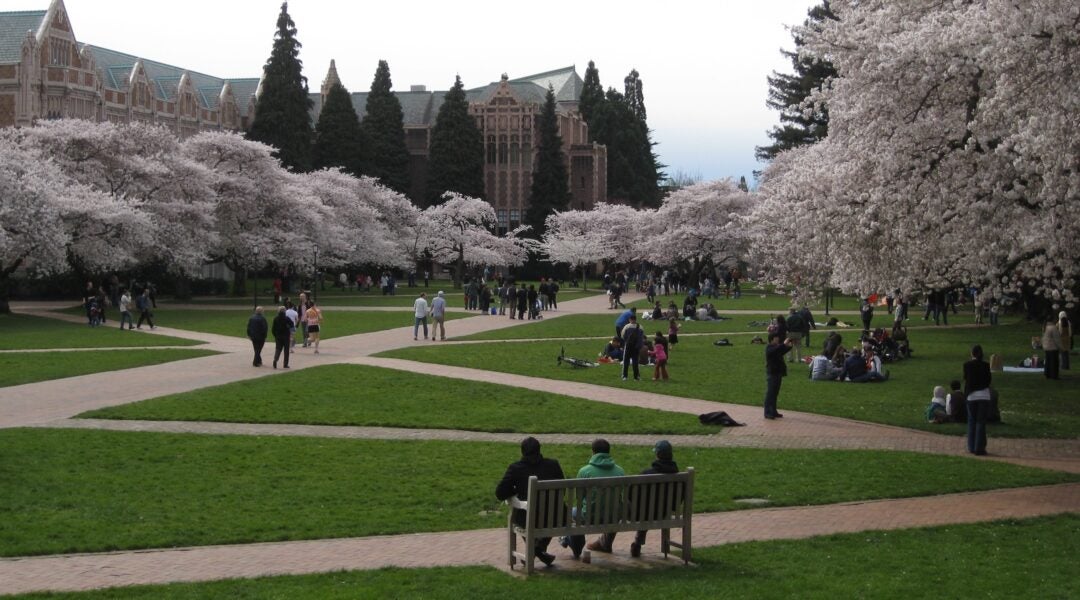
506,113
46,73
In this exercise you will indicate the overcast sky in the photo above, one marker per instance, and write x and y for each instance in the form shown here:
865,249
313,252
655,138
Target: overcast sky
703,63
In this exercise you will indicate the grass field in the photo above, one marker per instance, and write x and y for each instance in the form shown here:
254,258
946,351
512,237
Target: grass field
1031,405
17,369
87,490
25,332
233,322
1032,558
1005,559
371,396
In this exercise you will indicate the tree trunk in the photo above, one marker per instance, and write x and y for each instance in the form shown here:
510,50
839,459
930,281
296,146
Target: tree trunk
459,268
584,284
239,282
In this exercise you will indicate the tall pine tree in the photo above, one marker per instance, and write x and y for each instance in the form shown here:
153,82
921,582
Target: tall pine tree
456,160
550,189
592,93
338,139
283,109
386,156
786,93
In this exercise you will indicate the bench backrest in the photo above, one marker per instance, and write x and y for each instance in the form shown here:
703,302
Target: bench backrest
628,502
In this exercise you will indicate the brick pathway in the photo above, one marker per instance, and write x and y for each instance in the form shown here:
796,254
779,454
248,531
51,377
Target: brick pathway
488,546
52,403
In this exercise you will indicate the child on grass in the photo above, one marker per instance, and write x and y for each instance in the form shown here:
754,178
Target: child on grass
659,353
935,412
672,334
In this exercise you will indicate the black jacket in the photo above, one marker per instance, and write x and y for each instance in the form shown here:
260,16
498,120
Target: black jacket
976,376
515,482
281,327
774,359
662,507
257,327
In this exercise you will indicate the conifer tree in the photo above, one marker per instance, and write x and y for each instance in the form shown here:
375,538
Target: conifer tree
786,93
338,139
386,156
550,189
283,109
742,184
592,93
456,160
633,174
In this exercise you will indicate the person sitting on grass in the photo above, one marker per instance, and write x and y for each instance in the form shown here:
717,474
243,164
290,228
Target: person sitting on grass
956,402
822,369
935,412
672,311
612,351
657,312
855,370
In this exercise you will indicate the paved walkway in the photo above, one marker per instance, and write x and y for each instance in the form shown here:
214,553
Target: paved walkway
488,546
53,403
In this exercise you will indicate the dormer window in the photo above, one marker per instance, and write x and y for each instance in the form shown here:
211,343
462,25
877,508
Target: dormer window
59,52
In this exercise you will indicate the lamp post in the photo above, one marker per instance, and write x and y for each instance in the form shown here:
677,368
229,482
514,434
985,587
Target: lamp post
315,283
255,278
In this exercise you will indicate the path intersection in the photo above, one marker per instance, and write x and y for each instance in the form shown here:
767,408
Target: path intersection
53,404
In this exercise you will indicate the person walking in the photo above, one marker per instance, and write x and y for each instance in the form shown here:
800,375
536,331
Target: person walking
125,310
282,328
1066,332
314,318
256,332
775,371
143,304
420,312
977,391
438,317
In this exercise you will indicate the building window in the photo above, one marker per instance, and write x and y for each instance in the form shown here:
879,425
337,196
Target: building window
526,150
504,221
515,154
59,52
515,218
491,149
582,182
504,152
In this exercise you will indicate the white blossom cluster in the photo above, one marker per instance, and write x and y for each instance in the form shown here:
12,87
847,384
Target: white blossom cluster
110,196
953,153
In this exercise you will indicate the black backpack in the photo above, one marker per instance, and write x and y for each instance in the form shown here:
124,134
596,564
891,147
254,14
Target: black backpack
719,418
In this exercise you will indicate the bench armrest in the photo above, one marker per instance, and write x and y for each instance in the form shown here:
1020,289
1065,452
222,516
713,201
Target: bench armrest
514,502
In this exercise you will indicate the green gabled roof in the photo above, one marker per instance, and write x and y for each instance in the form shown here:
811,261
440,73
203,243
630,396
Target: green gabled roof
243,90
13,28
566,83
117,68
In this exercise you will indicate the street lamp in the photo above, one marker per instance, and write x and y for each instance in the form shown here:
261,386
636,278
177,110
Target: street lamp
255,278
315,286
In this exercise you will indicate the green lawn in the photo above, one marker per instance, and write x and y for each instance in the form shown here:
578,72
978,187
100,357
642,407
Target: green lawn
17,369
371,396
25,332
92,490
455,298
603,326
1031,558
1031,405
335,324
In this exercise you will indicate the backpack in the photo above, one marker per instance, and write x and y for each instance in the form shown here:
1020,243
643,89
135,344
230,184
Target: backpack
719,418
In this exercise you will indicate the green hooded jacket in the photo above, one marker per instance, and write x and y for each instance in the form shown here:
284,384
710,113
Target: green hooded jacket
600,465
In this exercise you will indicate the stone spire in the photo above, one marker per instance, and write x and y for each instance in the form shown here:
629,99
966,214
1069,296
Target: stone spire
331,79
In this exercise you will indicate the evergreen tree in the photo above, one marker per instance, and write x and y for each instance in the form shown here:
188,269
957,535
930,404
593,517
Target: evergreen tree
635,96
786,93
456,161
283,109
633,172
386,157
592,93
550,189
742,184
338,139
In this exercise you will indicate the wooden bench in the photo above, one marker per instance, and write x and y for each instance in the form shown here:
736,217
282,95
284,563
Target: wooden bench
611,504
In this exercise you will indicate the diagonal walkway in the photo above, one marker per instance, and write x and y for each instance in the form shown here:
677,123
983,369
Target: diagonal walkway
51,404
488,546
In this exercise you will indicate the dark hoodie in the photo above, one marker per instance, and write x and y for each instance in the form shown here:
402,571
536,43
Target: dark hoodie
516,479
663,508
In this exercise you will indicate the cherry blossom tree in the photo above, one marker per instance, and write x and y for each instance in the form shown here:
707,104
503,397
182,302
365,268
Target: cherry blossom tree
49,223
141,164
459,232
699,227
263,213
574,237
952,155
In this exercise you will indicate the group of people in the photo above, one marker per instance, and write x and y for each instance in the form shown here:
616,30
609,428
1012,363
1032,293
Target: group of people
96,300
631,347
305,317
437,312
1057,343
515,482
